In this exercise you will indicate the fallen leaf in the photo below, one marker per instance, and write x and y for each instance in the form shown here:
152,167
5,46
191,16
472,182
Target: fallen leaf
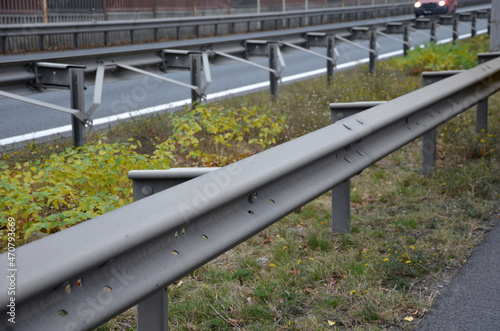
409,318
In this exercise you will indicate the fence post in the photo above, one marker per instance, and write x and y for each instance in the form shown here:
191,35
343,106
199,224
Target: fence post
482,106
406,39
341,207
195,69
455,29
330,52
433,31
429,138
473,25
152,313
341,194
373,48
77,89
273,64
4,45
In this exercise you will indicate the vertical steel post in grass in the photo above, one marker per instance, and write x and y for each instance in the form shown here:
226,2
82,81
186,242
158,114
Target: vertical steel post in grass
330,52
406,39
341,194
152,313
273,64
77,89
373,49
195,70
433,31
482,106
429,138
473,25
455,29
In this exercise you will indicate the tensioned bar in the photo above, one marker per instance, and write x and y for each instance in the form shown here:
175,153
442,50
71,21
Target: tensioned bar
74,112
354,44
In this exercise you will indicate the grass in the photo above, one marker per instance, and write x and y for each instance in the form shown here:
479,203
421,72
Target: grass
410,233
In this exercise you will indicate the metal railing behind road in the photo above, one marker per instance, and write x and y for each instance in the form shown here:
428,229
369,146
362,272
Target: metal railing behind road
113,32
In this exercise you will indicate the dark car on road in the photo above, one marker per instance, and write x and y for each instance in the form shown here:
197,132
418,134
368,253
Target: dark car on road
435,7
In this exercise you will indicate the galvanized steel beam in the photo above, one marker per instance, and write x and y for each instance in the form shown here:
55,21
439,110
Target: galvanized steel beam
82,276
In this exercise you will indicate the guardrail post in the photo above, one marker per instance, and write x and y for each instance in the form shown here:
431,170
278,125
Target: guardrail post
341,207
273,64
373,48
77,89
482,106
195,70
455,29
429,138
75,40
42,42
155,34
341,194
330,52
433,31
152,313
473,25
4,45
406,39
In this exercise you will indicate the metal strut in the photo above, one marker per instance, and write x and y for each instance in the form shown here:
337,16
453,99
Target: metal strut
373,51
199,90
333,59
277,73
408,43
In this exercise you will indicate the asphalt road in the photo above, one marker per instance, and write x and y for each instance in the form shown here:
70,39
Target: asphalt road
21,121
472,300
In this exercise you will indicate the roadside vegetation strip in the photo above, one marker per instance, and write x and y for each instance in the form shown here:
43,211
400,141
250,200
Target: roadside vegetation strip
409,232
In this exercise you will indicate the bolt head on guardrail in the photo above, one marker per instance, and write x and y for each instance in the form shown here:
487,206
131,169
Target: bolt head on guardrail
360,33
483,14
316,39
465,17
446,20
394,28
423,23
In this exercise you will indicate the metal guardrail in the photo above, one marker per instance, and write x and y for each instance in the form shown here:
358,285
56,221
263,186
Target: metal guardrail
194,57
280,20
81,277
